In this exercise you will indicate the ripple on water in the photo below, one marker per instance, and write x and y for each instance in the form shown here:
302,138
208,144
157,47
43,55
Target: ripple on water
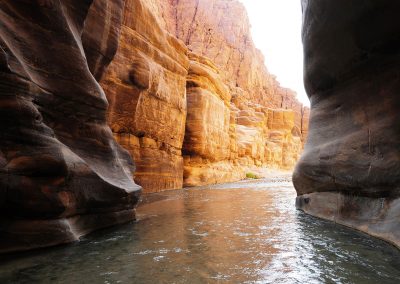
246,232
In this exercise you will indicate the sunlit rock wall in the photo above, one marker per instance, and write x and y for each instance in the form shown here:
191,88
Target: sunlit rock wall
220,31
207,142
222,141
227,86
350,169
146,89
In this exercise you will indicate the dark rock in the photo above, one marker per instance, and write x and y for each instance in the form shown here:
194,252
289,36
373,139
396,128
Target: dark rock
62,174
352,58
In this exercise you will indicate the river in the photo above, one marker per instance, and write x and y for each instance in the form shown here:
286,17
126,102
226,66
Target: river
245,232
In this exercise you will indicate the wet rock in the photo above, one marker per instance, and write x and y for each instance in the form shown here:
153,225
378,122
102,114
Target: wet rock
351,160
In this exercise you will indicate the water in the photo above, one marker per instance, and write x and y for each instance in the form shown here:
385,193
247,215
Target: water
247,232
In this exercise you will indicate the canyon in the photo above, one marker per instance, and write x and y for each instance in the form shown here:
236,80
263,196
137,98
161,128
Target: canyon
102,100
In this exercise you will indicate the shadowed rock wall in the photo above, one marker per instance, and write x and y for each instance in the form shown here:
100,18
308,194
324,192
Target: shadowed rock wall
62,174
350,169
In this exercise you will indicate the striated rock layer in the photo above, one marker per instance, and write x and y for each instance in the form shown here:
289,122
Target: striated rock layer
190,96
220,31
207,144
222,141
146,88
350,169
62,174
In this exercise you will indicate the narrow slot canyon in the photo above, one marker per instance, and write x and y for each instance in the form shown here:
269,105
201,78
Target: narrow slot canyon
148,141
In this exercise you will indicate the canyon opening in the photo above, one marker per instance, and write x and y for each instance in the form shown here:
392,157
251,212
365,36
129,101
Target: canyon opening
162,141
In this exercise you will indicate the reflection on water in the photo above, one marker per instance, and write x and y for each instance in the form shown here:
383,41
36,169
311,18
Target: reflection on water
247,232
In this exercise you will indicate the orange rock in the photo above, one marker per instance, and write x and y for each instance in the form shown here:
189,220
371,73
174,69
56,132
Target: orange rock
207,139
228,112
145,86
208,117
220,30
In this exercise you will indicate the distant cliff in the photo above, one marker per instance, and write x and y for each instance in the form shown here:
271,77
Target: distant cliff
62,175
191,99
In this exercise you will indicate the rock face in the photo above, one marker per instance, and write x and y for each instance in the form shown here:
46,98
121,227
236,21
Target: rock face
207,145
62,174
223,141
146,88
178,76
350,169
210,102
220,31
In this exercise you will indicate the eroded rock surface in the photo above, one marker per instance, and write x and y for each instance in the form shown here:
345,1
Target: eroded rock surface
146,88
227,85
350,169
219,30
207,145
62,174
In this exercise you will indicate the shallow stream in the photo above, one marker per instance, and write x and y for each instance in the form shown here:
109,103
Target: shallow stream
245,232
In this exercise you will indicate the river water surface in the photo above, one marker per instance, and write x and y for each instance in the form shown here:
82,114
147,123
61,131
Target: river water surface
246,232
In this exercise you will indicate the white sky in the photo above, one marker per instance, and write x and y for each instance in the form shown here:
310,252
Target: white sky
276,31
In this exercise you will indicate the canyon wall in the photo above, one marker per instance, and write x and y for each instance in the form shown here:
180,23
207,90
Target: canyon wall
208,145
146,89
350,170
266,128
62,174
191,99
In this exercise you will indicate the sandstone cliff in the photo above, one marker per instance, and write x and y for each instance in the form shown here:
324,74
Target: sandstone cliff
62,174
220,31
146,89
350,169
208,144
202,48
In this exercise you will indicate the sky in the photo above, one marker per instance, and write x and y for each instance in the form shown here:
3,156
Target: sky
276,31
